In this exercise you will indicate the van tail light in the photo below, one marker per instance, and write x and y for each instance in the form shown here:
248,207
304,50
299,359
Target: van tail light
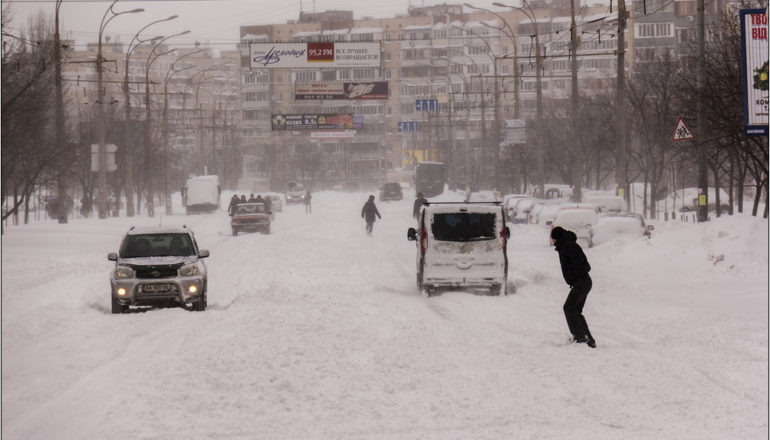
502,237
424,240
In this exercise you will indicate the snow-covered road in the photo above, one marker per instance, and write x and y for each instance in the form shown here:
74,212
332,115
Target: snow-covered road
317,332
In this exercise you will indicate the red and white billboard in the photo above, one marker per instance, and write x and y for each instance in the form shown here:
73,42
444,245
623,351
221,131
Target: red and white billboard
313,55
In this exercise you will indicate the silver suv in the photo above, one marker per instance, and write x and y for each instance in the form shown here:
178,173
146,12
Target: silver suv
158,266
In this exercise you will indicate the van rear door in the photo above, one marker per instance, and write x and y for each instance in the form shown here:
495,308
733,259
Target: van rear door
466,245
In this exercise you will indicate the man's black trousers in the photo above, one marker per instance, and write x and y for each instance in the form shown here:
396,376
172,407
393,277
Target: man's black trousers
573,308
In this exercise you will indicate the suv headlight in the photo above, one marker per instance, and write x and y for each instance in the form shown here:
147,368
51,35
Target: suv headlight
124,272
188,270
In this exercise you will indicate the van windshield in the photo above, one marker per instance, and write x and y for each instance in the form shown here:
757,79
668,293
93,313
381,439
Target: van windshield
463,226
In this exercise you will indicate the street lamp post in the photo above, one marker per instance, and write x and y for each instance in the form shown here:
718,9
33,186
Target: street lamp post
496,102
540,153
147,123
127,106
512,36
171,72
102,154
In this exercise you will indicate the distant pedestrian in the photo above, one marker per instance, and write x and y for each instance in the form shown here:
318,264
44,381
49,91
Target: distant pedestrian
251,198
418,202
233,204
368,213
574,269
243,199
268,203
308,207
259,199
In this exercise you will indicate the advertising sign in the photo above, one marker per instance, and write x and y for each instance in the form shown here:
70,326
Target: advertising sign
408,126
341,90
332,135
313,55
426,105
311,122
754,50
412,157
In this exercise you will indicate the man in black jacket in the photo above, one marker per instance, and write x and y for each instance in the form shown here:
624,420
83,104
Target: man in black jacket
418,202
574,268
368,212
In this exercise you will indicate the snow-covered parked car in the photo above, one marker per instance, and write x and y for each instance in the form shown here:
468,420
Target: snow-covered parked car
521,209
608,204
576,218
461,245
484,196
158,266
251,217
627,225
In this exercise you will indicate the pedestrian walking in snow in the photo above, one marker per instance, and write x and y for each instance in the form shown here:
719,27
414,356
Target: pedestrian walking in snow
308,208
233,204
418,202
574,269
368,213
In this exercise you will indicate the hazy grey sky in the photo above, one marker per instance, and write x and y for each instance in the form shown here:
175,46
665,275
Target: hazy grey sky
213,22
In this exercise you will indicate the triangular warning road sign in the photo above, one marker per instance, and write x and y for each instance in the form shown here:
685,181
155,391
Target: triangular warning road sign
681,132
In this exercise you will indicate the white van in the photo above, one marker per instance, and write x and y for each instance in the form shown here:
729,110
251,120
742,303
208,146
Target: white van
461,245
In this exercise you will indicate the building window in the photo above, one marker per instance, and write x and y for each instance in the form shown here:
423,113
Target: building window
250,96
328,75
654,30
364,74
304,76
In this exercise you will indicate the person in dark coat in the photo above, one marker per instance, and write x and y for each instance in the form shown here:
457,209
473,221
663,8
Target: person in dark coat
418,202
259,199
233,204
368,213
251,198
308,207
268,203
574,269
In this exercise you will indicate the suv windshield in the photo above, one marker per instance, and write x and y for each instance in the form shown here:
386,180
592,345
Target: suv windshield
463,226
157,245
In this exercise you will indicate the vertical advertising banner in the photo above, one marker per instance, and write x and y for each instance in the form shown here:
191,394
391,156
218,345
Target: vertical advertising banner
754,50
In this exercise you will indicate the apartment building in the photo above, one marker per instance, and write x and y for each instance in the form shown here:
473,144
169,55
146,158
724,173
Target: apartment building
466,62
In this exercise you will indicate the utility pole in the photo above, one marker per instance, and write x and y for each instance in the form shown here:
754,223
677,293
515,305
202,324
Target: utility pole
620,125
61,191
576,164
539,121
701,136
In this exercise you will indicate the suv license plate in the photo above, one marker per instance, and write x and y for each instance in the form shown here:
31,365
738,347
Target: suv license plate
152,288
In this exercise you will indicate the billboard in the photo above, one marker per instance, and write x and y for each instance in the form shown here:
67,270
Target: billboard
755,71
313,55
311,122
344,90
